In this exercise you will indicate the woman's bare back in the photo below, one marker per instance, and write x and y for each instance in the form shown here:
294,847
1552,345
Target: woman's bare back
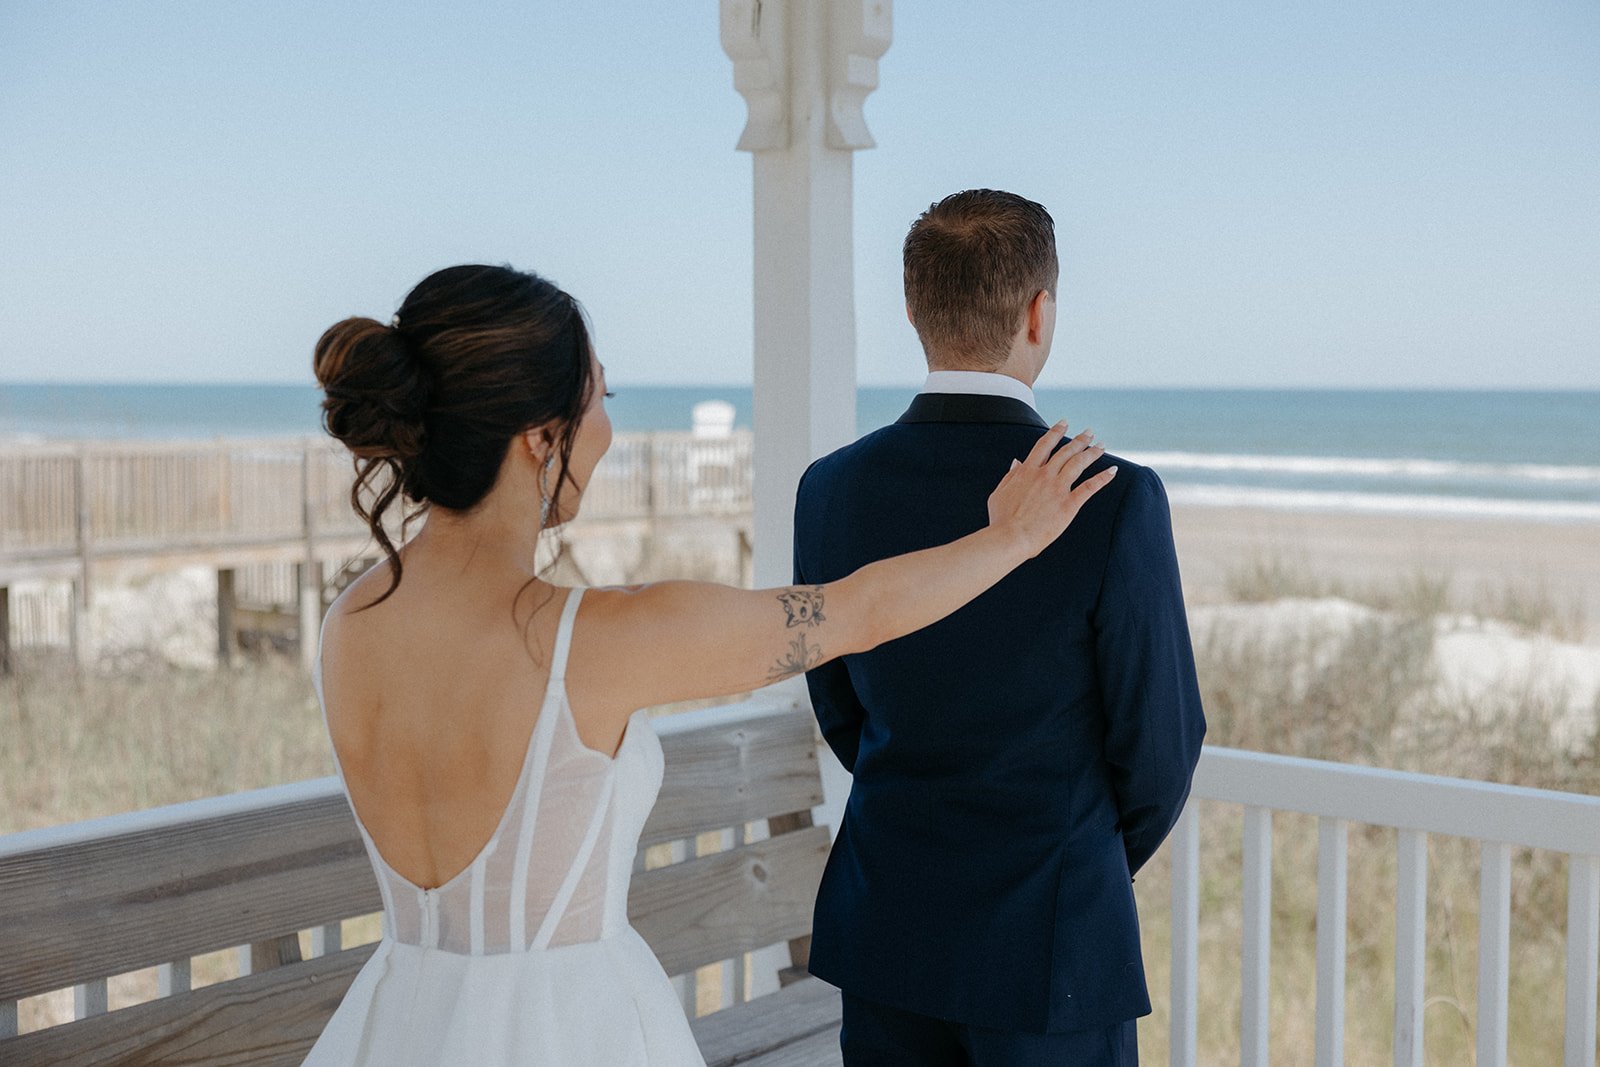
431,700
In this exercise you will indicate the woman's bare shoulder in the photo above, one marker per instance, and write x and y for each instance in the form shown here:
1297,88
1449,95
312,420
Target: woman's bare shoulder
350,639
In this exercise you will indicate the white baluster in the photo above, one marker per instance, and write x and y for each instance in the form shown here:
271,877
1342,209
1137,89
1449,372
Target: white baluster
1494,950
1410,947
1583,957
1185,852
1333,837
1256,971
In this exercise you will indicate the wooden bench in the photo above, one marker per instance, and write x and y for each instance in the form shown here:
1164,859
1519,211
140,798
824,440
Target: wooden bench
82,902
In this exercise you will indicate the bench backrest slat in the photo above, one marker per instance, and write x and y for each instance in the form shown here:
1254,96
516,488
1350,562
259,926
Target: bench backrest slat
267,1019
72,912
82,902
725,769
715,907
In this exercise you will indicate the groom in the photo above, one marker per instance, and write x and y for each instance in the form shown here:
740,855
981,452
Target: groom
1015,764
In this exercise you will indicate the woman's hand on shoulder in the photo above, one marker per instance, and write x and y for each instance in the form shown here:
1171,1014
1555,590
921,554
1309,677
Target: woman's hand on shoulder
1037,500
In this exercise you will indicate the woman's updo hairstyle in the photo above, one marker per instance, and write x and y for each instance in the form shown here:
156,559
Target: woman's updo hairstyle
476,356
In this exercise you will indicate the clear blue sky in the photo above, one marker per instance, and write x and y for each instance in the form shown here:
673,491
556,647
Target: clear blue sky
1350,194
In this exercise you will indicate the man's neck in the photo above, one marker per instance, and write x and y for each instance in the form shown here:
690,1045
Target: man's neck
1005,369
990,383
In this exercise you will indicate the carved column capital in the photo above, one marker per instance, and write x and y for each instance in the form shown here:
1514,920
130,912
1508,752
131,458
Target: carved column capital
753,37
859,32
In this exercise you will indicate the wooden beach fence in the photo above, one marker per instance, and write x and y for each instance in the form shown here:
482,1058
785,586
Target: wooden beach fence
273,518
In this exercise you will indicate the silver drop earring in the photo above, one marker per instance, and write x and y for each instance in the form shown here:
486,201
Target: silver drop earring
532,569
544,497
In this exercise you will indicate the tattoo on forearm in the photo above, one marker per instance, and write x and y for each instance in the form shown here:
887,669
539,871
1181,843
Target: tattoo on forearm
804,606
801,657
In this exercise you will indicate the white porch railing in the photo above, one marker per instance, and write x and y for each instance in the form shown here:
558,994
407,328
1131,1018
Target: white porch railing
1498,817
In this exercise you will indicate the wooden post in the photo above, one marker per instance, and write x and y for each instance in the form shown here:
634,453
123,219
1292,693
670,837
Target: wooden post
225,492
327,939
90,999
310,571
225,622
651,444
741,962
80,585
687,983
77,625
174,978
805,70
799,947
268,955
5,629
309,604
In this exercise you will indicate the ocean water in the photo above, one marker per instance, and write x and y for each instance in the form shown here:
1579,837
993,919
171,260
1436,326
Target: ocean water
1485,454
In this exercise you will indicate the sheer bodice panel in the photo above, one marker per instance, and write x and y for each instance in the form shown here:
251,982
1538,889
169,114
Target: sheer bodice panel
556,869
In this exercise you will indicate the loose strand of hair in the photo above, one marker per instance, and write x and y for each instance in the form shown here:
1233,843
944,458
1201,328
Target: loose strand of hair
564,444
366,472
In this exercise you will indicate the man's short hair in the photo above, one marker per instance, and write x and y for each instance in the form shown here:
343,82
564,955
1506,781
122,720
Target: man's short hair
973,261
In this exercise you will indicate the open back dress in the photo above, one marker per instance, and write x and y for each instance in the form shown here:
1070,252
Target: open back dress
526,955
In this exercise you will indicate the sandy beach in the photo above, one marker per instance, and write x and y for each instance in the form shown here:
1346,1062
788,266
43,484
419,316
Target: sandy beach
1475,555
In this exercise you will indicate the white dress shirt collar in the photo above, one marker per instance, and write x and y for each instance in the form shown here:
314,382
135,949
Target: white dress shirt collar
982,383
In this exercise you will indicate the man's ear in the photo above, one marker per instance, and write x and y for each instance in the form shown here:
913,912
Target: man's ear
1036,313
909,319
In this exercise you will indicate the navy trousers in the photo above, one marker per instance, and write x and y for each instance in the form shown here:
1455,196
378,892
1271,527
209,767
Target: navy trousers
876,1035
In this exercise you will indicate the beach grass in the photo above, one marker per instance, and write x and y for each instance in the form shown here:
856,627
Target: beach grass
83,744
1529,605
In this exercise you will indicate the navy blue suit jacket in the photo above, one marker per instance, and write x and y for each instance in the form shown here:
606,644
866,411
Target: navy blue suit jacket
1015,763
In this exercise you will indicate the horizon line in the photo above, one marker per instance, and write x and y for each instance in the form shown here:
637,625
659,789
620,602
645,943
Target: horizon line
1046,387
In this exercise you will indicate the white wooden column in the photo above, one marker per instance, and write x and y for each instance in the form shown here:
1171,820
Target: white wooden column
805,68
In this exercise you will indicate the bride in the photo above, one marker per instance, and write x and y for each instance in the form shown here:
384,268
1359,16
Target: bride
486,724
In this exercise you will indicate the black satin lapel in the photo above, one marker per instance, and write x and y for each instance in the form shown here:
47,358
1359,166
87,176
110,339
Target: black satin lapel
970,407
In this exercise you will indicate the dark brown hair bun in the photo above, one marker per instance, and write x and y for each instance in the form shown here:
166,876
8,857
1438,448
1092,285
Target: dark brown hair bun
376,393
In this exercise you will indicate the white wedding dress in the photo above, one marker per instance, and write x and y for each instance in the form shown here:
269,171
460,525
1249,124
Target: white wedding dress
526,956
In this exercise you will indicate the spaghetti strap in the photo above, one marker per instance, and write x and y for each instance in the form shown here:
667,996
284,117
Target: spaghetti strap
558,661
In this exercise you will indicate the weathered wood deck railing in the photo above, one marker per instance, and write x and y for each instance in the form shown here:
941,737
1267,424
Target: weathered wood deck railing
1500,818
83,902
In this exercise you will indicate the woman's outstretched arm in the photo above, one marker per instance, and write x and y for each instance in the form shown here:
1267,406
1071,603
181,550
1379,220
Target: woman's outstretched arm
699,639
